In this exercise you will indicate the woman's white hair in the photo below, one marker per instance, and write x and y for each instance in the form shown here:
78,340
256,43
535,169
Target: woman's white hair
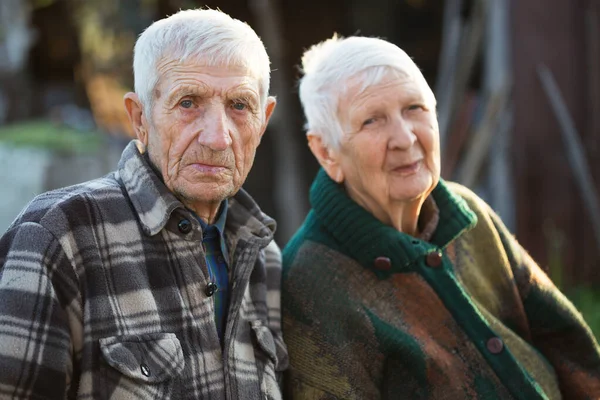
203,35
331,65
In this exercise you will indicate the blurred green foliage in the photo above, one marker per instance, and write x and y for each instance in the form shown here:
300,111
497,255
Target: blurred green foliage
587,301
51,136
585,298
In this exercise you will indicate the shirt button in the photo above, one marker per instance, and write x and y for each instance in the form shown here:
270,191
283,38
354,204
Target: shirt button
495,345
145,370
184,226
434,259
383,263
211,288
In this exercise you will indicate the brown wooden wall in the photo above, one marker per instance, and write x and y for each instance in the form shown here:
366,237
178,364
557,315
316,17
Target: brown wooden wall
552,221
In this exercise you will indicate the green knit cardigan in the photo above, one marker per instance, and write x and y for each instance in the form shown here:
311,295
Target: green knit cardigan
372,313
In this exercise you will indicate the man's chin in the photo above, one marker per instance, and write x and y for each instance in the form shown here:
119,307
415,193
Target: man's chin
207,194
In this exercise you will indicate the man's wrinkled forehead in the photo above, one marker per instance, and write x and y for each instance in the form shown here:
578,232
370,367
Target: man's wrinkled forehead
169,71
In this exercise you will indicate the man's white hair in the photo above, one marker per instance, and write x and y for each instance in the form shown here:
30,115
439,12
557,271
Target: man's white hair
331,65
210,37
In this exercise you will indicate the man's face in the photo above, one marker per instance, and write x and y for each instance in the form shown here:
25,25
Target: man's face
206,124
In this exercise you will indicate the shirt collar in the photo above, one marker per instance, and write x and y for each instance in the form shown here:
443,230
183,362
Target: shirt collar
219,226
221,218
151,199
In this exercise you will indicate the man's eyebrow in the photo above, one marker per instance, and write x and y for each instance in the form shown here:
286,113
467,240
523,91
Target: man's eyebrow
185,90
243,93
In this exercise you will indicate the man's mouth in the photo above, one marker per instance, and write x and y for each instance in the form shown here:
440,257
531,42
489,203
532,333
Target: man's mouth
208,168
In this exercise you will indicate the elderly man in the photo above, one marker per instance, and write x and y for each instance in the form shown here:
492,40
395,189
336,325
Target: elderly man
400,285
160,280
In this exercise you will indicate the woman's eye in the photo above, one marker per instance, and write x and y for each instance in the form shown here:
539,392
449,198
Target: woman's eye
186,104
369,121
239,106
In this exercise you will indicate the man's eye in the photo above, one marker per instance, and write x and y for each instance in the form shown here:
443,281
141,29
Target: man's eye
415,107
186,104
239,106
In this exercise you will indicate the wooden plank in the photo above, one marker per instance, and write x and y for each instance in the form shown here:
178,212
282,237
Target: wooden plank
444,87
496,88
502,197
469,49
460,130
479,145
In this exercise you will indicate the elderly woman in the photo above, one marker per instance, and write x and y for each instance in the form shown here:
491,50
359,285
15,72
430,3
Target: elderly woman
402,285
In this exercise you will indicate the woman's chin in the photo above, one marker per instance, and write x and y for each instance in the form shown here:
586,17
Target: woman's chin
411,188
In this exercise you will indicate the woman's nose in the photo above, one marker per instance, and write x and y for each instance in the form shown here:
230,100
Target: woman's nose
402,134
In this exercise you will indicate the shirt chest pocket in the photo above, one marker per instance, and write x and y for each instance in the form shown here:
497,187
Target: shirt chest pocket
141,366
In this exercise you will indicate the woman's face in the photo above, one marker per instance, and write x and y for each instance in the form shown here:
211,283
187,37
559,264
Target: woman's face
389,153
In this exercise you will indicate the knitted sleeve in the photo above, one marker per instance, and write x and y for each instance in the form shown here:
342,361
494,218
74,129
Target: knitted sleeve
557,329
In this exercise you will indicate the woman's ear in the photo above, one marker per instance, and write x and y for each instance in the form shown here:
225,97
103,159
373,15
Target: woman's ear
328,158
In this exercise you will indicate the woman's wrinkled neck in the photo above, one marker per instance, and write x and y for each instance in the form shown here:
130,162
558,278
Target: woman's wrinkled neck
402,215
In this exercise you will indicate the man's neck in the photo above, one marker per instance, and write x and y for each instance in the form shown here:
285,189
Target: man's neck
206,212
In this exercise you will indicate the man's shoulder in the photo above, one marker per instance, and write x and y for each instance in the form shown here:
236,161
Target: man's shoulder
73,200
273,251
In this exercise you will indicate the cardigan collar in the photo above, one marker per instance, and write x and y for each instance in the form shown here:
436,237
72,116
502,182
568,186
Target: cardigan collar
365,238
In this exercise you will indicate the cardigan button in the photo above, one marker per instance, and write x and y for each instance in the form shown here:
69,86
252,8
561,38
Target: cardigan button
434,259
184,226
495,345
383,263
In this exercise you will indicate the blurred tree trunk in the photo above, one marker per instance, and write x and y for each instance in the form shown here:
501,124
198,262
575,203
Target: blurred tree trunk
16,38
107,33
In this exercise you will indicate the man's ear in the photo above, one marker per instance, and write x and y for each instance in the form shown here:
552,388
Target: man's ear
135,112
269,108
327,158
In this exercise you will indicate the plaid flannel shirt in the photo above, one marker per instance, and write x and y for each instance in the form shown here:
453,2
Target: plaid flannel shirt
102,296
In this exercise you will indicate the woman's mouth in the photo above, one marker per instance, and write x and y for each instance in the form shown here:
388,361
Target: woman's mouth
408,169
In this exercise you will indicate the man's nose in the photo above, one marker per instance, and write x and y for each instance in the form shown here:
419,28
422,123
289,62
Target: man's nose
215,133
402,134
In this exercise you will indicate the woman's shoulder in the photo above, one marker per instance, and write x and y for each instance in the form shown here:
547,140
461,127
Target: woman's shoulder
476,204
473,200
488,221
313,249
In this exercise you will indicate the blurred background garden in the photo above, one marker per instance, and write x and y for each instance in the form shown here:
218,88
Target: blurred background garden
517,83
